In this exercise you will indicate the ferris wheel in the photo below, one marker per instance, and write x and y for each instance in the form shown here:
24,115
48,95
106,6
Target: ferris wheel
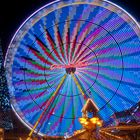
67,52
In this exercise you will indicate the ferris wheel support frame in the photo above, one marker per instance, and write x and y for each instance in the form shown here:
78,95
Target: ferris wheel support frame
80,89
47,105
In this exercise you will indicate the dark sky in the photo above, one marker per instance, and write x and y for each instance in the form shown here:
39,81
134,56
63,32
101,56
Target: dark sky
14,12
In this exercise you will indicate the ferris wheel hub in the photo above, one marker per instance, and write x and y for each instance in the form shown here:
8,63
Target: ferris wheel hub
70,70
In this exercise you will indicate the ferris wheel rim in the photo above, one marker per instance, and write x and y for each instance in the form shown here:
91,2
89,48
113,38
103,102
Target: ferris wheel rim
32,16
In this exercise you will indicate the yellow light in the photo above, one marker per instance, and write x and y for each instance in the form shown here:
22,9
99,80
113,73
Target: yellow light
99,123
86,123
94,120
82,120
1,130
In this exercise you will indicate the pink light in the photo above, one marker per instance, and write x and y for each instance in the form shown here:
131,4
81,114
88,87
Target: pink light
79,65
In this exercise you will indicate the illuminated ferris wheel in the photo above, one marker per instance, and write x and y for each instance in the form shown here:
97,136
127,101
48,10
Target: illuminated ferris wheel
67,52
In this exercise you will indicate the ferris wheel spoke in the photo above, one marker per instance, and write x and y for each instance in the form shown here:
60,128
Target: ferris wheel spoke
73,110
40,57
37,54
85,77
30,72
81,48
47,105
93,37
59,42
82,38
74,38
66,38
83,55
50,111
46,50
31,62
93,48
79,87
53,46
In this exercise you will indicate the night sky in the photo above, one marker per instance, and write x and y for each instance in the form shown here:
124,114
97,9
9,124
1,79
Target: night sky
14,12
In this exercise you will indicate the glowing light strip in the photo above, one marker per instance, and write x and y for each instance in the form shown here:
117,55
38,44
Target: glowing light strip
77,65
76,82
41,9
39,119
